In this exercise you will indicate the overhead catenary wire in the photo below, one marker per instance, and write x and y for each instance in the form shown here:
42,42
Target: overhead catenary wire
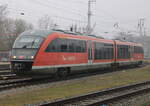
29,14
113,19
58,8
100,23
78,1
97,15
74,8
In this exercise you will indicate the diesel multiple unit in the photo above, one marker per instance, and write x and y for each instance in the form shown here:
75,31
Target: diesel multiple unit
60,52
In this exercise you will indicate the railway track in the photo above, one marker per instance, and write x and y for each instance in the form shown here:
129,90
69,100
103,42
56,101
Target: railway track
103,98
84,99
17,82
9,81
4,67
5,73
5,85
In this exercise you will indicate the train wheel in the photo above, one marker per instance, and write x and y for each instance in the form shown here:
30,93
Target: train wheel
62,73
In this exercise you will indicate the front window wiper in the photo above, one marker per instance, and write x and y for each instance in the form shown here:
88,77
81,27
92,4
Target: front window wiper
25,46
32,43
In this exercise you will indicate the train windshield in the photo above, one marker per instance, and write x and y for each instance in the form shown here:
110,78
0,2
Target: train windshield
28,42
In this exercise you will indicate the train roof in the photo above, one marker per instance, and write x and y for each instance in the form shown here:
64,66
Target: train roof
43,33
81,37
93,37
128,43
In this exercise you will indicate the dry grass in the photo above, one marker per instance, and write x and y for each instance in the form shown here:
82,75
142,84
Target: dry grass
147,60
78,87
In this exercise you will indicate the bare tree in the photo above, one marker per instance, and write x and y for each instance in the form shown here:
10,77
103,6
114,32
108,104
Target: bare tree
21,26
10,28
16,27
3,13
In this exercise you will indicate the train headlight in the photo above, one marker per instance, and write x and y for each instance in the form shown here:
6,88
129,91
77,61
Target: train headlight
32,57
14,57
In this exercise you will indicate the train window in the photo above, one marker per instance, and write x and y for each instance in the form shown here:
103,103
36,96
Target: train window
78,46
138,49
71,46
142,50
66,45
103,51
63,45
28,42
123,51
52,47
63,48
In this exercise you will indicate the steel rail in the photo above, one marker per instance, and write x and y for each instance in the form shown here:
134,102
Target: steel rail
90,96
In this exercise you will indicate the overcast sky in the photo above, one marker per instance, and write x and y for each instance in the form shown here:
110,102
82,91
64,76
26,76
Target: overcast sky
66,12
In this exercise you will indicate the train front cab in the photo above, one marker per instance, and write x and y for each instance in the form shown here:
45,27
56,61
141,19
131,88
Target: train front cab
25,50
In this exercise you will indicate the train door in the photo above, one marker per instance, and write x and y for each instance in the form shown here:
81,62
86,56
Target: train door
90,52
131,53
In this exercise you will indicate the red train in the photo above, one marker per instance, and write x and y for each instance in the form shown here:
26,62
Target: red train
61,52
